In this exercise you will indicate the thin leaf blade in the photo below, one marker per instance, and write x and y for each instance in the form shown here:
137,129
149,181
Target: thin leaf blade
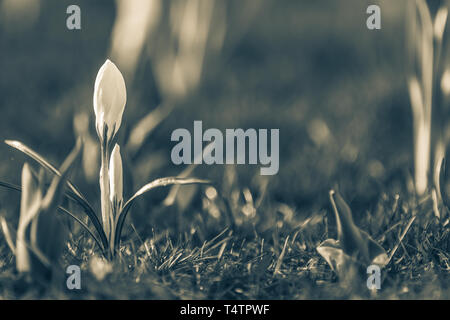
74,193
161,182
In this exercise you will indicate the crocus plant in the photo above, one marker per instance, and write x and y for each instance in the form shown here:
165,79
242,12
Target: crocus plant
353,245
428,76
36,252
109,104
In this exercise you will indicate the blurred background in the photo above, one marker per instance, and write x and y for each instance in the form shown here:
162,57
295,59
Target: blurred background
335,89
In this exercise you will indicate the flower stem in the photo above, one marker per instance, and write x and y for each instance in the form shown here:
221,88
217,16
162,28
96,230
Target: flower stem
113,233
104,191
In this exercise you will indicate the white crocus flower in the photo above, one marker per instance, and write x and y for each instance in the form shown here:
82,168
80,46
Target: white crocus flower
110,96
116,176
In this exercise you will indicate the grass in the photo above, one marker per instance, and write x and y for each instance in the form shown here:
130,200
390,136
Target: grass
247,262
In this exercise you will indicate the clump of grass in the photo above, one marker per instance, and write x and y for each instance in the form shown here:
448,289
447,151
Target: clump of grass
276,262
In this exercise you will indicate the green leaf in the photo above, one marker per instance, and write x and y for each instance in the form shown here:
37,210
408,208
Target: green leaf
162,182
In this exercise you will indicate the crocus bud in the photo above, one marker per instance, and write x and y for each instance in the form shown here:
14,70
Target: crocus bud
110,96
116,176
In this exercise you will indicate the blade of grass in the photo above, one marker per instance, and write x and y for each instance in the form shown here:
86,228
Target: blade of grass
281,257
206,244
401,239
222,250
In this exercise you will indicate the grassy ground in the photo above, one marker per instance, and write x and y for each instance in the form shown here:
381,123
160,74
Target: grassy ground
314,66
240,263
259,255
